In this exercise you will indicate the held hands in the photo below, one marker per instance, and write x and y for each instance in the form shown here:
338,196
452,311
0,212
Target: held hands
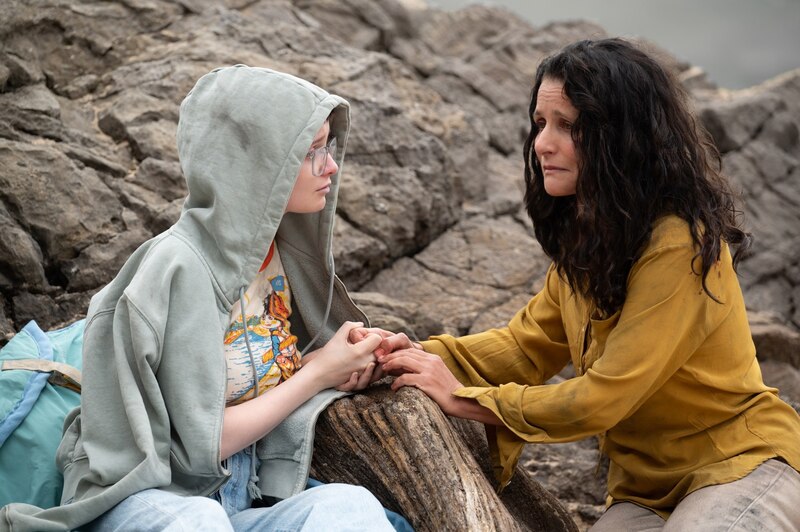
373,372
426,372
343,363
397,355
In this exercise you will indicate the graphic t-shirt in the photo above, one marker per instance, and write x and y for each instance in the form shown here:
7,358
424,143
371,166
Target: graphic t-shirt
267,310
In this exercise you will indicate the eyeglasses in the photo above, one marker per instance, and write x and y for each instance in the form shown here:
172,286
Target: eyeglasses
319,157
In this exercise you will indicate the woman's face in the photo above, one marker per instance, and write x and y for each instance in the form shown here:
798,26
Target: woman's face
308,194
554,147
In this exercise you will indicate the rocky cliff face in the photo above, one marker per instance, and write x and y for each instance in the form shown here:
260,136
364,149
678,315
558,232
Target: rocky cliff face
430,231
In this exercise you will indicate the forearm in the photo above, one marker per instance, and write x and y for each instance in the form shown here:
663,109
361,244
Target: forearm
470,409
248,422
496,357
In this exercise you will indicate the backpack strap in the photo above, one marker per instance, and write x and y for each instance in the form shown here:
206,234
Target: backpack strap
60,374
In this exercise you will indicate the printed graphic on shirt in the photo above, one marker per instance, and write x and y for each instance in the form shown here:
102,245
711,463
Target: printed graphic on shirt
274,348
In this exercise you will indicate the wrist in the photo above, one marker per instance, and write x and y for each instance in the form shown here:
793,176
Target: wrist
313,373
467,408
308,357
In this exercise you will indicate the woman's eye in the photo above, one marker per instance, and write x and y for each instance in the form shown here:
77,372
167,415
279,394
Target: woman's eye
540,124
566,125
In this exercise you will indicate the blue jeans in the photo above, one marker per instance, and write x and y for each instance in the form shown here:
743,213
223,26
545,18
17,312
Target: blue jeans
336,507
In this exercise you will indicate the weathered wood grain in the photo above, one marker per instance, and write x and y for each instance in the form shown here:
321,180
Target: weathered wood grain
433,470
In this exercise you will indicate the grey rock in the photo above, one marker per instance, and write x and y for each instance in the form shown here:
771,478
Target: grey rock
20,256
94,159
408,281
7,329
97,264
5,74
783,376
48,311
393,315
166,216
393,205
571,471
21,123
33,98
757,130
131,108
505,184
162,177
357,255
731,128
154,139
499,315
346,21
64,207
466,33
464,267
774,340
771,294
17,72
483,251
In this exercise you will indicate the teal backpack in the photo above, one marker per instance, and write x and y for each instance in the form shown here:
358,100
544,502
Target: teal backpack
39,385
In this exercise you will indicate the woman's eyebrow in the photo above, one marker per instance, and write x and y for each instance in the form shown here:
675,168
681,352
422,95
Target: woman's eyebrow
556,113
323,133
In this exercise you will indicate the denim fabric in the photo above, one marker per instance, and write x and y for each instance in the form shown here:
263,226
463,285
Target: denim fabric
233,494
399,522
334,507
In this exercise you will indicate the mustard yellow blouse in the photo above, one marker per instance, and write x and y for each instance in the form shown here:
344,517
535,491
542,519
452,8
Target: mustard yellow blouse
671,380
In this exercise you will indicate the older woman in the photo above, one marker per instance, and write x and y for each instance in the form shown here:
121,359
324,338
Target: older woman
626,197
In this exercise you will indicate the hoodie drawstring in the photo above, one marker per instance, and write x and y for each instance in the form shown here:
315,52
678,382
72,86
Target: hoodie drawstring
252,485
327,308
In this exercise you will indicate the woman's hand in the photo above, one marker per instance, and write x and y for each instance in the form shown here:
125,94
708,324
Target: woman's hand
373,372
426,372
342,363
359,333
360,380
392,342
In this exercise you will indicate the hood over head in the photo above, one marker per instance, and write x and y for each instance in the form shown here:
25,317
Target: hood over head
242,136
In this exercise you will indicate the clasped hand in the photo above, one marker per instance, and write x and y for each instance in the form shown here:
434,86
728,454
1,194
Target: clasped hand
347,362
357,356
412,366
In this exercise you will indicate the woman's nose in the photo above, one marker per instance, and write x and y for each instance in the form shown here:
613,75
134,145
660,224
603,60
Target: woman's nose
543,143
330,165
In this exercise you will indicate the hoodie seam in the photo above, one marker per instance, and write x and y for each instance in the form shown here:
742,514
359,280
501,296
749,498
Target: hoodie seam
152,330
207,267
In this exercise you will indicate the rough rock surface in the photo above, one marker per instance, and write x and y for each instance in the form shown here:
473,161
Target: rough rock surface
430,227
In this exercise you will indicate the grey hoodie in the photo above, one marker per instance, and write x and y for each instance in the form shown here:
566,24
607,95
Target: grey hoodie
154,368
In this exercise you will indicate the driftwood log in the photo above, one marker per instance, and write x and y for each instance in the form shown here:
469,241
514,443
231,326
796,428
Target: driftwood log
433,470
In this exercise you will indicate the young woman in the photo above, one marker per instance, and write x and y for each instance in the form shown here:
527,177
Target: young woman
626,197
192,354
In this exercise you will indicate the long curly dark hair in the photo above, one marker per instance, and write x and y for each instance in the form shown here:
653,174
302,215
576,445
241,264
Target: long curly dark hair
641,155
